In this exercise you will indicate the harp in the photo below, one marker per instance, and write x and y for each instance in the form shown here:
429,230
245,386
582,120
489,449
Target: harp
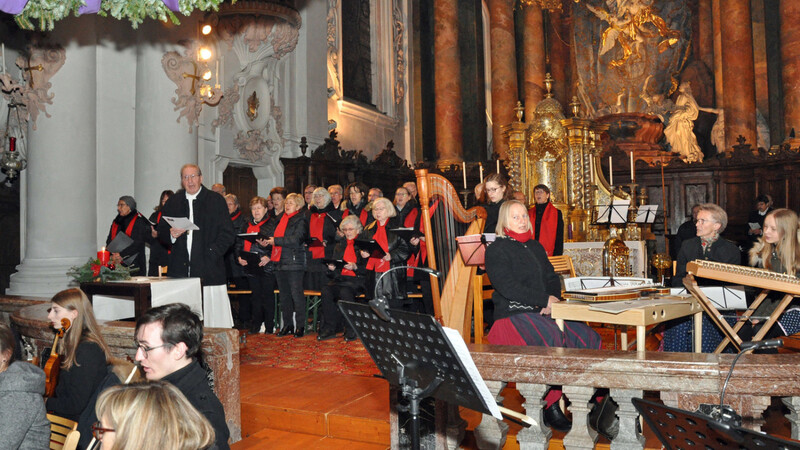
452,295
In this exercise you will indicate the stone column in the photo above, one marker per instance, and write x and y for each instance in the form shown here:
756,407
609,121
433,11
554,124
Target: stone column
504,70
790,64
581,436
738,73
536,437
491,433
704,44
447,82
627,438
534,59
163,145
61,180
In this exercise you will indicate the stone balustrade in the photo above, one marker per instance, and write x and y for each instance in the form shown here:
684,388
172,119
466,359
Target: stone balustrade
682,380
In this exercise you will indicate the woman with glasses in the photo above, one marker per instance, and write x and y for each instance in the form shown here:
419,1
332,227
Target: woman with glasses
396,252
289,256
707,245
84,352
496,191
322,221
23,419
347,280
153,415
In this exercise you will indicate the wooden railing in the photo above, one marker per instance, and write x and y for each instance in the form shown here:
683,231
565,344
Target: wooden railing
683,380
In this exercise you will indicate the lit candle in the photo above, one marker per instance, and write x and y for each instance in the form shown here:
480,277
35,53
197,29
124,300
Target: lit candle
591,171
498,166
104,256
4,58
610,173
464,172
633,174
480,166
217,74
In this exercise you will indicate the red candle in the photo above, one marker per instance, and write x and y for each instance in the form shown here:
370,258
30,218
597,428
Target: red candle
12,144
104,256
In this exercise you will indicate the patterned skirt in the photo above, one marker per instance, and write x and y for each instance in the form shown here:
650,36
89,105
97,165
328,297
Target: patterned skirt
536,329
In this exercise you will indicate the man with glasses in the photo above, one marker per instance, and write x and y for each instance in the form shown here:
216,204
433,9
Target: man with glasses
200,253
168,342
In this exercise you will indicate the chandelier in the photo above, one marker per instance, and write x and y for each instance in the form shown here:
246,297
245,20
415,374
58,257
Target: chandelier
12,158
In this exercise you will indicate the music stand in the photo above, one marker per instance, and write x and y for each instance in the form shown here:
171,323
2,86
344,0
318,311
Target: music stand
679,429
415,353
616,212
473,247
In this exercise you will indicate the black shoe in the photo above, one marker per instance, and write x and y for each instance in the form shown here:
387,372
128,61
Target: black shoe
555,418
348,337
254,330
300,332
324,335
286,331
603,419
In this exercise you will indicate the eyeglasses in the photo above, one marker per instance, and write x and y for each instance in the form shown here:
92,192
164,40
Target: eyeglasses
348,229
98,431
492,189
190,177
145,349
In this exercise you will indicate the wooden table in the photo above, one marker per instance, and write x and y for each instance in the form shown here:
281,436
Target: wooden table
139,291
648,313
146,292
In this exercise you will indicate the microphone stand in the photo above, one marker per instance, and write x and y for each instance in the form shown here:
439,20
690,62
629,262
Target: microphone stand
379,304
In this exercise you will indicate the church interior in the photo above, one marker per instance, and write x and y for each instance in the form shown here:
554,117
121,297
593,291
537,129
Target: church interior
669,103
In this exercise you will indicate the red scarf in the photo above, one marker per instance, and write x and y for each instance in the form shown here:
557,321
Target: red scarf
349,257
233,217
279,232
548,227
315,226
362,216
519,237
254,228
378,264
128,229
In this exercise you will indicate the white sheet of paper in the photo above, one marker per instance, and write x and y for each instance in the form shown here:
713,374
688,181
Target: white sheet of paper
463,355
754,225
620,307
646,214
722,297
182,223
614,213
580,283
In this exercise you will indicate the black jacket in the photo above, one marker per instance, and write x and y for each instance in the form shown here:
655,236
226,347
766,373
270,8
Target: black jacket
193,383
723,251
359,211
329,226
492,212
522,277
399,251
159,251
232,267
292,243
255,247
77,384
359,281
209,243
140,235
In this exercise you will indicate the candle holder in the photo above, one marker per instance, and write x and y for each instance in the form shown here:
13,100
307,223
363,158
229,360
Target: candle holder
465,194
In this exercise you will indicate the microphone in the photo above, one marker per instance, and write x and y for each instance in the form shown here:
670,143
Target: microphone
379,304
722,412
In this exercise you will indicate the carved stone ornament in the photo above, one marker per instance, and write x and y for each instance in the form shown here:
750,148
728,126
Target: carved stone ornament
184,71
399,54
333,49
225,109
33,91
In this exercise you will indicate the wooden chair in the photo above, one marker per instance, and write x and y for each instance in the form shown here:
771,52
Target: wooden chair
563,265
63,433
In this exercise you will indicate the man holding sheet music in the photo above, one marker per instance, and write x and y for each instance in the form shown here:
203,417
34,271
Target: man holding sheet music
127,236
200,252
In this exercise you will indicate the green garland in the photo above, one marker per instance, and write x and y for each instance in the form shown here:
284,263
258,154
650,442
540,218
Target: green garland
49,11
93,270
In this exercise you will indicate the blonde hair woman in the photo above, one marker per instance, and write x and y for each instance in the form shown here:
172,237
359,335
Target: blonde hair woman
778,249
145,416
289,256
84,351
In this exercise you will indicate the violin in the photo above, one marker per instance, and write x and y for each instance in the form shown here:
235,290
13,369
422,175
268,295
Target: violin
53,366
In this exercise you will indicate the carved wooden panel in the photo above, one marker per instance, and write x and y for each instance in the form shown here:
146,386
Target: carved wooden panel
241,182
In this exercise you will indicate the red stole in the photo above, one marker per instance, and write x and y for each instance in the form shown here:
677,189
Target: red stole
548,227
254,228
349,257
279,232
362,216
315,226
233,217
128,229
378,264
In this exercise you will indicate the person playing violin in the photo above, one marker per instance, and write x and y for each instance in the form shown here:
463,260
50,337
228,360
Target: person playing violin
85,354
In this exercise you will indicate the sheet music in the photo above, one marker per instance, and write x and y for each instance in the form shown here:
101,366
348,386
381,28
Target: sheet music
646,214
182,223
617,212
462,353
620,307
722,297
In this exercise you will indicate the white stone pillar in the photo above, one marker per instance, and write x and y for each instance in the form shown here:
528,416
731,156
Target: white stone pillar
162,144
61,178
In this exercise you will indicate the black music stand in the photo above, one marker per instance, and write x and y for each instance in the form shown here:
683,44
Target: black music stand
413,352
679,429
